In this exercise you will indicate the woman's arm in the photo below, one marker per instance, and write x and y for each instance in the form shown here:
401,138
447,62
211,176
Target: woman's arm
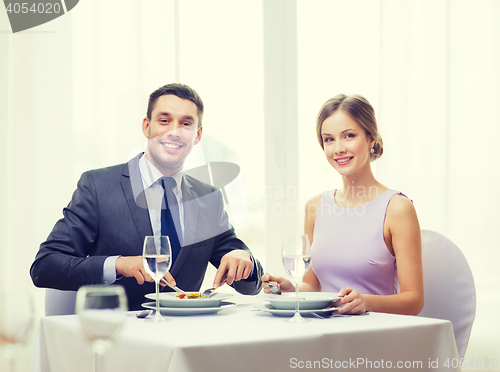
402,235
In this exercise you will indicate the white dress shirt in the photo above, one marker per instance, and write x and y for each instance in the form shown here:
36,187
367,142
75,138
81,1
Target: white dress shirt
151,180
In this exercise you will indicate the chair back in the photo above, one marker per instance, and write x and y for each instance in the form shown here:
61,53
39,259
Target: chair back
59,302
449,288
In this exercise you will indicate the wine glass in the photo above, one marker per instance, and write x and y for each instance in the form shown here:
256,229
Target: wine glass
101,310
16,321
296,254
157,258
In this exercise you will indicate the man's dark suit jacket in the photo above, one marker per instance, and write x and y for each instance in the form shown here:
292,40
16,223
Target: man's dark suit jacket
107,216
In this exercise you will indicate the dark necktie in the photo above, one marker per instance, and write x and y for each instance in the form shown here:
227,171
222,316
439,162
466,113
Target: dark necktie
170,216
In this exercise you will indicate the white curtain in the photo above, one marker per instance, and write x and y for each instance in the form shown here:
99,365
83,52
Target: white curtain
73,94
438,114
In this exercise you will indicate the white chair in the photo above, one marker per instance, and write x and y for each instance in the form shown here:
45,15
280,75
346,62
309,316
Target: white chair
449,288
59,302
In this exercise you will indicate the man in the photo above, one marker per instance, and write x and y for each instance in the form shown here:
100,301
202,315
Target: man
99,240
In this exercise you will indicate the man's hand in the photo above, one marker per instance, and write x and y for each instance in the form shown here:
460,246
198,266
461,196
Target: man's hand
234,266
132,266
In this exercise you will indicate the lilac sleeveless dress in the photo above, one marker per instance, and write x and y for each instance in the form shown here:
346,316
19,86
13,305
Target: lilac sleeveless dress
348,247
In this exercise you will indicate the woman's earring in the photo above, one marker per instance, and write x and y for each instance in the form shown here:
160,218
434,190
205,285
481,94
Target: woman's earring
372,150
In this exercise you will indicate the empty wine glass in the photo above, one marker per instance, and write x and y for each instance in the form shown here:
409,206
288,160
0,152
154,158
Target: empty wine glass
296,254
16,321
102,313
157,258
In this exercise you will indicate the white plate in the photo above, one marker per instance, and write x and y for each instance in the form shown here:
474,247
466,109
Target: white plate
288,313
307,300
169,299
182,311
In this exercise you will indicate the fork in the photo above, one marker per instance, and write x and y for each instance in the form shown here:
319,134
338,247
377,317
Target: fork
274,289
209,292
322,316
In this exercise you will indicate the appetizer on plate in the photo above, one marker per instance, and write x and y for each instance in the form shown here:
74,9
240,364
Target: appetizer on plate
189,295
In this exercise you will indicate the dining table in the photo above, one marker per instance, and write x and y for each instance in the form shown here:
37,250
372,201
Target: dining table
246,337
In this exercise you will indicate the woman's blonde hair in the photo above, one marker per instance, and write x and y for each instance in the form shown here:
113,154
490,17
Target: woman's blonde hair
359,109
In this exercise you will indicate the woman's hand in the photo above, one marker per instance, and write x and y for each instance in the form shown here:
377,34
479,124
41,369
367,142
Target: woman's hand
354,302
283,284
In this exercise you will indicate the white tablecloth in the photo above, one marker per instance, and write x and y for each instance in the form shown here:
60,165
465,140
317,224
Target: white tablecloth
242,339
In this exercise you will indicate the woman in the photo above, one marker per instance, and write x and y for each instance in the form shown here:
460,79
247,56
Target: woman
359,232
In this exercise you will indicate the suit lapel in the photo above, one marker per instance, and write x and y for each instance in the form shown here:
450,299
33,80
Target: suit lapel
133,190
131,183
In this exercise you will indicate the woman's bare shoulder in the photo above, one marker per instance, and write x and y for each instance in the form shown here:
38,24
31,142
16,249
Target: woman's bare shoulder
401,216
400,205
